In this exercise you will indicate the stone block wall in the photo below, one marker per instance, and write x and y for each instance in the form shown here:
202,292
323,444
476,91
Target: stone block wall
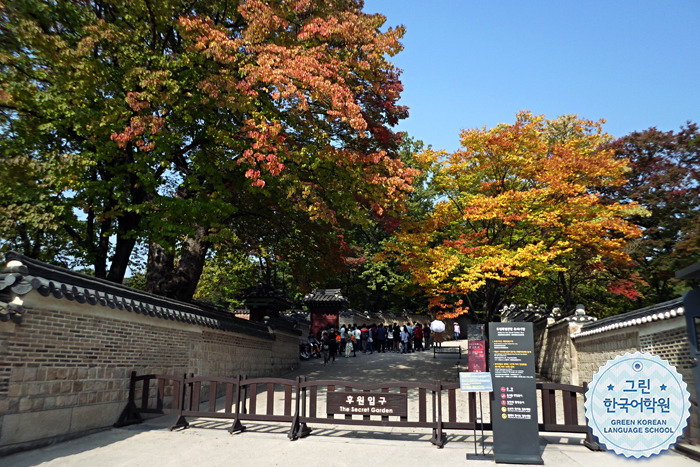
668,339
594,351
64,369
573,359
670,344
556,356
539,330
569,358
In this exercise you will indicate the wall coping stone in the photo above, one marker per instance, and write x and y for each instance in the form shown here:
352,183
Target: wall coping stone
24,274
661,311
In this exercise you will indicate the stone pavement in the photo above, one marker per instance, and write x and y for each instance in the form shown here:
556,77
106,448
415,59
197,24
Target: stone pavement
208,443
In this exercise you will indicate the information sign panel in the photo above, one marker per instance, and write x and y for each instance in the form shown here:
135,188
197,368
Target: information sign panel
475,382
367,403
637,405
514,399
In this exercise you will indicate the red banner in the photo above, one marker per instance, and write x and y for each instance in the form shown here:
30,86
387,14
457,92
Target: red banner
476,353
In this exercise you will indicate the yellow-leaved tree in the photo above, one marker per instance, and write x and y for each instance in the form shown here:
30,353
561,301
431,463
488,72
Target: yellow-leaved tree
515,202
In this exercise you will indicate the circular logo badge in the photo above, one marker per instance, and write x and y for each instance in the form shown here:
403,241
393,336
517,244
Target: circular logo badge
637,405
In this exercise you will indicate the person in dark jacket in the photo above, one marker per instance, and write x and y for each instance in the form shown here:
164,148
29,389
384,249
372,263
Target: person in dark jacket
325,347
364,337
372,339
397,338
381,338
332,344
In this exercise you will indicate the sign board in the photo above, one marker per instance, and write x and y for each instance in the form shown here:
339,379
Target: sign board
476,356
475,382
367,403
514,399
637,405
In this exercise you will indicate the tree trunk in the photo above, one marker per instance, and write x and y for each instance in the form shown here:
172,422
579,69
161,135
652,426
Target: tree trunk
163,277
491,290
159,270
101,252
496,296
126,241
565,293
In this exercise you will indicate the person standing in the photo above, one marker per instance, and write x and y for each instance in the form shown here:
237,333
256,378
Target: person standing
333,339
426,336
437,339
457,330
348,344
404,339
358,337
343,335
409,345
364,335
418,337
381,338
325,347
372,338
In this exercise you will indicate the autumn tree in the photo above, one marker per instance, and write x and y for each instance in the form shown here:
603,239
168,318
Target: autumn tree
187,125
606,284
515,202
371,281
664,178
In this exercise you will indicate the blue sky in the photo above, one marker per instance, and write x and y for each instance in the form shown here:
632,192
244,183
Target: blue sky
470,64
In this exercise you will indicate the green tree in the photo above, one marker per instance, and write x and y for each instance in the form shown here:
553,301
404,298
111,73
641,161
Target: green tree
370,280
224,277
170,122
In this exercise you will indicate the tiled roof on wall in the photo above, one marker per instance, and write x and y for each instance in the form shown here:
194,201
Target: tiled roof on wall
325,297
658,312
23,274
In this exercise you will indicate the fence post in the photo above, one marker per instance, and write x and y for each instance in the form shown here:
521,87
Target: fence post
299,428
439,437
181,421
294,429
130,415
591,442
237,426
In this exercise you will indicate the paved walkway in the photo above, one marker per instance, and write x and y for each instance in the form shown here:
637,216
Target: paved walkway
208,443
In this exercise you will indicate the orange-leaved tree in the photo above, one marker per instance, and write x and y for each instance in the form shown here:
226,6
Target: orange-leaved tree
515,202
186,126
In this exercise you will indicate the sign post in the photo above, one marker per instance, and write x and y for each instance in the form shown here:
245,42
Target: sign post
514,399
477,382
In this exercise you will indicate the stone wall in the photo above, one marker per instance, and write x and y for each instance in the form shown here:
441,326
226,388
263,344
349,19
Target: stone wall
556,359
571,352
386,319
594,351
65,367
668,339
539,330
